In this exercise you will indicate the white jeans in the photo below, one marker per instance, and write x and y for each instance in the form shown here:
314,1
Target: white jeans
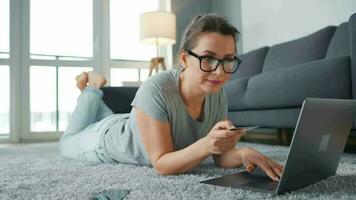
81,139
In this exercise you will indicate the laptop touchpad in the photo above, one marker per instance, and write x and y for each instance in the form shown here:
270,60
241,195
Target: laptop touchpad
238,179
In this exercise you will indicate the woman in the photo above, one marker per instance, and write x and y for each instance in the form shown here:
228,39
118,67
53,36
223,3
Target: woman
179,117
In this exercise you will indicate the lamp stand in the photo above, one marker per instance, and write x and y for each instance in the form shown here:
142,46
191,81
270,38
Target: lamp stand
154,64
156,61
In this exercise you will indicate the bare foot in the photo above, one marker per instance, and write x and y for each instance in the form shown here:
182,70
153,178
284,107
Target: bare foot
96,80
82,80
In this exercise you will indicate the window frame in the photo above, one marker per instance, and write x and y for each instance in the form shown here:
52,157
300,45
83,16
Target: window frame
6,61
19,63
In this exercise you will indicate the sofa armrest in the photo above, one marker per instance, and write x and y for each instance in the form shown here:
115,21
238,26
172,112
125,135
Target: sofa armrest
119,99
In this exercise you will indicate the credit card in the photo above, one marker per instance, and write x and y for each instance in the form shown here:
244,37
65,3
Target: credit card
248,128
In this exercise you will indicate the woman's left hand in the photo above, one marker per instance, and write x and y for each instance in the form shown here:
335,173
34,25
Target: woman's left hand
252,159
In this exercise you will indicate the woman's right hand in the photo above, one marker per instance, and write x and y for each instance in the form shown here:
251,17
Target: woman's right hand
220,139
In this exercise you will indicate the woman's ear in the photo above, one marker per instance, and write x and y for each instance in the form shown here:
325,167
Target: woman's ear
183,59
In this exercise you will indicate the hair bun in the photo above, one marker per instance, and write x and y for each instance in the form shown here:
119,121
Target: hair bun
197,18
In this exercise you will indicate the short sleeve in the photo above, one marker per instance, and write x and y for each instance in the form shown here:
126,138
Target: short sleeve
150,99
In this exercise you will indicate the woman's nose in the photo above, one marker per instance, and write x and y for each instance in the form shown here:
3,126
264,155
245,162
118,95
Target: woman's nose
219,70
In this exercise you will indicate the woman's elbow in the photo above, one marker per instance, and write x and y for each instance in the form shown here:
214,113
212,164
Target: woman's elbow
221,164
164,170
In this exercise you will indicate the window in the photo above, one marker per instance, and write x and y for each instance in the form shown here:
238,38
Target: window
61,35
62,27
55,40
4,28
126,49
4,67
43,98
128,76
51,111
4,100
124,18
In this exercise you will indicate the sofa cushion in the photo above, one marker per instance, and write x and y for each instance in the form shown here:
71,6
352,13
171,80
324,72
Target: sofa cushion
236,90
352,27
251,64
340,42
288,87
306,49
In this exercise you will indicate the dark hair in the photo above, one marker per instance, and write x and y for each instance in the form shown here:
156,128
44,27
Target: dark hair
206,23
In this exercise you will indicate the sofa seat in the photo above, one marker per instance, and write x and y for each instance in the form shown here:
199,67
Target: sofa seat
269,118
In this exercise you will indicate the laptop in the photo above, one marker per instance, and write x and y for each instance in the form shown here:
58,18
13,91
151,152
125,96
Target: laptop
319,139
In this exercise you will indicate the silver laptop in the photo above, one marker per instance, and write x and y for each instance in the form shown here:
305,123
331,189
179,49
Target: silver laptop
319,139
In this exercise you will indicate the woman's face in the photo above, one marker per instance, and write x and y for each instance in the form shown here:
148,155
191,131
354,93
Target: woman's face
213,45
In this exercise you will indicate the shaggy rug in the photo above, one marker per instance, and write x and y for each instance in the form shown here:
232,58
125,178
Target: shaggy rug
37,171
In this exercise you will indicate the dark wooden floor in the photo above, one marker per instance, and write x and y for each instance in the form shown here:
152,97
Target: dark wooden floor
284,137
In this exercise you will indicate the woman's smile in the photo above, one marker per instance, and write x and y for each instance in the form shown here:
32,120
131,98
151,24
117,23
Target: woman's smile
215,82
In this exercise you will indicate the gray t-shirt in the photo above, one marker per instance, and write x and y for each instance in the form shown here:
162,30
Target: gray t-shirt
159,97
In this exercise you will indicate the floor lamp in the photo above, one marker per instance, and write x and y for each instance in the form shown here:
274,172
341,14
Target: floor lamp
158,28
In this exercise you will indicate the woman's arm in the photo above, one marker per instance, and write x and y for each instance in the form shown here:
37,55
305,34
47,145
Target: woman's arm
157,139
250,158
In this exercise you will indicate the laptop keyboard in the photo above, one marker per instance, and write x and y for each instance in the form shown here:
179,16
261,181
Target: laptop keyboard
262,184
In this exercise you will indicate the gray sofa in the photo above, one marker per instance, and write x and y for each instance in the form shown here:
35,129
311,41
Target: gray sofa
272,82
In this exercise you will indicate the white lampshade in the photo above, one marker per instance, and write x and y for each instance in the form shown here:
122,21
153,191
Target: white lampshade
158,27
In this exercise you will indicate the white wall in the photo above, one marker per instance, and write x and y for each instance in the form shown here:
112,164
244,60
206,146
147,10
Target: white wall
268,22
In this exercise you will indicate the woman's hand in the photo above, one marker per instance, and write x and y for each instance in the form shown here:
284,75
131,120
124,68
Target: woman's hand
220,139
251,159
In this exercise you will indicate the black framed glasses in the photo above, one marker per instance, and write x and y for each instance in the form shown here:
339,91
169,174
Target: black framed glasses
209,63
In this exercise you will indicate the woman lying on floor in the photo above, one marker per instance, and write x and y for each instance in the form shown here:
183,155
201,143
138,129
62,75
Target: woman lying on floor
179,117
